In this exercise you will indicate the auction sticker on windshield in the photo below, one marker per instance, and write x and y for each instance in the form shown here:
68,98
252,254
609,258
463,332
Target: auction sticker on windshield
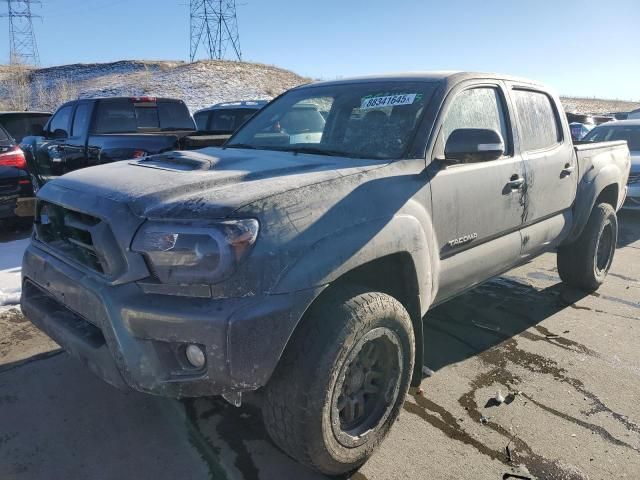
388,101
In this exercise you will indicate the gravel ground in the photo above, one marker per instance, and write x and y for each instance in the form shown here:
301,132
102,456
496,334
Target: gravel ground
567,363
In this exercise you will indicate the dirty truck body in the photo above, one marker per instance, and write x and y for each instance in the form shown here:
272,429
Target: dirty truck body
304,270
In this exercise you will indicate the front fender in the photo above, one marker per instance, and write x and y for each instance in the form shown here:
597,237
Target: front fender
344,250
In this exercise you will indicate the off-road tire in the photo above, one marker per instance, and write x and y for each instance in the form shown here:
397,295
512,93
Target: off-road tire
579,264
298,400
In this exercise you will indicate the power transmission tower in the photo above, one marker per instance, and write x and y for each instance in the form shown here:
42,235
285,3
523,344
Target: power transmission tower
23,48
214,25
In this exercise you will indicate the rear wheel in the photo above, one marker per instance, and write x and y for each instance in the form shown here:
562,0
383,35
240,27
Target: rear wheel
585,263
342,380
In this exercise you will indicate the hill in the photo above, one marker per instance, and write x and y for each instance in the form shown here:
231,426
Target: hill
199,84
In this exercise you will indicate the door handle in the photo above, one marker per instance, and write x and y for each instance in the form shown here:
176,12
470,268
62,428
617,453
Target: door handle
567,170
515,182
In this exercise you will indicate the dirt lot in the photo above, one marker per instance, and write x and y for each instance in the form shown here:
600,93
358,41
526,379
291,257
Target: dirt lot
567,363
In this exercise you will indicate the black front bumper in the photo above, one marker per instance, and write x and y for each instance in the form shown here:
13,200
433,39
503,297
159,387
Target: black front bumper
135,339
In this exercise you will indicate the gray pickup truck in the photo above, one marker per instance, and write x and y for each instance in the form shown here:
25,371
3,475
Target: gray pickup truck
301,264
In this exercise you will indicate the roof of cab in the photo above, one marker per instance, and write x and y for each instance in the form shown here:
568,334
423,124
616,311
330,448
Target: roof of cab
257,104
23,112
448,77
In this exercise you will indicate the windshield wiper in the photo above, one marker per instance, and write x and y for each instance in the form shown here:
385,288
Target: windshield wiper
240,145
318,151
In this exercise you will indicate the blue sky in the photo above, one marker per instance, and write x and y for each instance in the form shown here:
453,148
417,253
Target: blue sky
587,48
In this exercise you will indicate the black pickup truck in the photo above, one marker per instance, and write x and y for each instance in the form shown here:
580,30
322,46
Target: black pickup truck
300,259
93,131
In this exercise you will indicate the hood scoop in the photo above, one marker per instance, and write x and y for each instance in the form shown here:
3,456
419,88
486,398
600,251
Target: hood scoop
178,161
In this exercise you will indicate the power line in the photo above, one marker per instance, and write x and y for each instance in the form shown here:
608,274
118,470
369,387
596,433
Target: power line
214,26
23,48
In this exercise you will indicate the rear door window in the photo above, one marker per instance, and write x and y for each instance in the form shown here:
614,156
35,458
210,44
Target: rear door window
81,120
539,125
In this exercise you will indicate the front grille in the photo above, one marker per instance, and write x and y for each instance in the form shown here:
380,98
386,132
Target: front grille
634,178
70,233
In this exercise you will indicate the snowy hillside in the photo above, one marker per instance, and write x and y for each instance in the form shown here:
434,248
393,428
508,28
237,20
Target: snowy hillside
199,84
597,106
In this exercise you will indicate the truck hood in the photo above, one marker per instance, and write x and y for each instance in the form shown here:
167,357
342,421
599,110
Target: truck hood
208,183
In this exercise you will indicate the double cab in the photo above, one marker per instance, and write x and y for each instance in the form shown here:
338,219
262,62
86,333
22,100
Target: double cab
300,259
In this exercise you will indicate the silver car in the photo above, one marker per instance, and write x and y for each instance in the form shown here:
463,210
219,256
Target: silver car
628,130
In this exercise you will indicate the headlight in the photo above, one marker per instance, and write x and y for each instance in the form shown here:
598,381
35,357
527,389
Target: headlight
195,253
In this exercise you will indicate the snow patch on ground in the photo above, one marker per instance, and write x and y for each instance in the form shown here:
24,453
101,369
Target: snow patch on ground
10,267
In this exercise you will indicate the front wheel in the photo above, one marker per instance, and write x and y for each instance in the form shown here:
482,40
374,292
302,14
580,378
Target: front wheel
584,264
342,380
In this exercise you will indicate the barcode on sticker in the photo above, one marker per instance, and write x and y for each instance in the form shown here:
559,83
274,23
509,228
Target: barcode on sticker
387,101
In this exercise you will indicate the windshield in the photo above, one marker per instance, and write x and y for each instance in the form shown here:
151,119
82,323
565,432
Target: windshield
605,133
357,120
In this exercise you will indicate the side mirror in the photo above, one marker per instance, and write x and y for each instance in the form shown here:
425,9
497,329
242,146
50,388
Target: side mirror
59,134
469,145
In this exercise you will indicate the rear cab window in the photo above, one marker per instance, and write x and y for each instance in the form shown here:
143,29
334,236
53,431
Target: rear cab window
143,114
540,127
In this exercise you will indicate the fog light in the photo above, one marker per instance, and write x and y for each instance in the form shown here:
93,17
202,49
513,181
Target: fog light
195,355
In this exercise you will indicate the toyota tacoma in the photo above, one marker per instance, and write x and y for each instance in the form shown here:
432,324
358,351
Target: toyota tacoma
300,264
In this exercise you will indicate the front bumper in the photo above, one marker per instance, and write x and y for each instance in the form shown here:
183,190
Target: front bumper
136,340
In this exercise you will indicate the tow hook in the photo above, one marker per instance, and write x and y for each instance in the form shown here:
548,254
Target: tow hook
234,398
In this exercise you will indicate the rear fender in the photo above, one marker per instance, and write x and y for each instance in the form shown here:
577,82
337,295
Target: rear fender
592,185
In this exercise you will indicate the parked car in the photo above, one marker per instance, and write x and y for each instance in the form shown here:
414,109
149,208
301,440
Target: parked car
600,119
580,118
225,118
23,124
88,132
629,131
579,130
15,185
634,115
302,266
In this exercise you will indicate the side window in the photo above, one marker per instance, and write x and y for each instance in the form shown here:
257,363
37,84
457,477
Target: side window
201,120
60,121
538,120
477,108
81,120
